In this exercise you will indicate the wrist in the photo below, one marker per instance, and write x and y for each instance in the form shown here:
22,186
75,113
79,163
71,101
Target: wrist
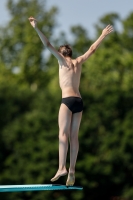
103,35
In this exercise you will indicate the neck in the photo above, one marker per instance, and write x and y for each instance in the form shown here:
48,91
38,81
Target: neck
68,58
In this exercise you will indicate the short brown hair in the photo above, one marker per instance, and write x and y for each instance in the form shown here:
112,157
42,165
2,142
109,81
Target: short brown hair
65,50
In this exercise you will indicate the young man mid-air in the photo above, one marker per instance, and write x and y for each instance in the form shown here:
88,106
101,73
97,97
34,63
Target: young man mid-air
71,108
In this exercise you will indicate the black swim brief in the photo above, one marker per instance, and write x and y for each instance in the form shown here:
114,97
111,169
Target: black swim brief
75,104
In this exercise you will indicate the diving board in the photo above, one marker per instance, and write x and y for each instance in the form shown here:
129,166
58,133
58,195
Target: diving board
36,187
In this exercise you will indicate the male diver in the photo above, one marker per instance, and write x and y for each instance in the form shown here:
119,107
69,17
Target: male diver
71,108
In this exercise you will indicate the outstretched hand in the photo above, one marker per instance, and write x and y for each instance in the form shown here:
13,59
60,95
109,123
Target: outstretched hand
33,22
107,30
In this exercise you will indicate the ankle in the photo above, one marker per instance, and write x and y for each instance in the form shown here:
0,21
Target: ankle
62,169
71,171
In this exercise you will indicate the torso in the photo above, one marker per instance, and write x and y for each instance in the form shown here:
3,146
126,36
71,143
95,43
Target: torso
69,78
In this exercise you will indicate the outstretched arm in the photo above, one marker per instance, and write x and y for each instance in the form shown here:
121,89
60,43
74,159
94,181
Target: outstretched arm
95,45
44,40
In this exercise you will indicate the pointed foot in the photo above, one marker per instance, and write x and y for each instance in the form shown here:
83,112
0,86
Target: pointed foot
70,180
58,175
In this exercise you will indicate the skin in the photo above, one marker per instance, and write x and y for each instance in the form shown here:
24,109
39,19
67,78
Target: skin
69,79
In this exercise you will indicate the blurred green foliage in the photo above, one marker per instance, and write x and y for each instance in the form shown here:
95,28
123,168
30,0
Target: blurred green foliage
30,98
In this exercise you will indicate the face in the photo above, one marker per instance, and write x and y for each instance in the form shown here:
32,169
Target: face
65,50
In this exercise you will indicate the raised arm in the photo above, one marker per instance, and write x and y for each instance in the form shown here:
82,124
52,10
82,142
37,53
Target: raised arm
95,45
45,41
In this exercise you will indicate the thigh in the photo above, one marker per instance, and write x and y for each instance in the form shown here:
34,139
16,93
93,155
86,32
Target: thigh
75,124
64,118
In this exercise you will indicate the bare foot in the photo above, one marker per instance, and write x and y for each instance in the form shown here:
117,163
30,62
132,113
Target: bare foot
70,179
58,175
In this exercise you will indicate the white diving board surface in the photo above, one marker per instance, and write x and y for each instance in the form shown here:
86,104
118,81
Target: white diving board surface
36,187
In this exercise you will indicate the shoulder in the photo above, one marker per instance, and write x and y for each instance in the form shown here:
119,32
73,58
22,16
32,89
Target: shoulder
77,62
80,59
61,60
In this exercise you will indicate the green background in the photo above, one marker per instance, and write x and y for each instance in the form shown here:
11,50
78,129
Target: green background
30,98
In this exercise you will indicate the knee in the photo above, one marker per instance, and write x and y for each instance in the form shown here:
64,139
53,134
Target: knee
73,137
63,135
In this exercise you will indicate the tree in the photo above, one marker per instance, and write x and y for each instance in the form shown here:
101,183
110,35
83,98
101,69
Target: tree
30,98
107,121
19,41
25,120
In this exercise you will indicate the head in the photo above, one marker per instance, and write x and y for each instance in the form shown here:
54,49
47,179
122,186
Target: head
65,50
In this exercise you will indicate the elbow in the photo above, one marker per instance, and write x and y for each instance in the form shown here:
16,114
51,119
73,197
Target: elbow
47,44
93,49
